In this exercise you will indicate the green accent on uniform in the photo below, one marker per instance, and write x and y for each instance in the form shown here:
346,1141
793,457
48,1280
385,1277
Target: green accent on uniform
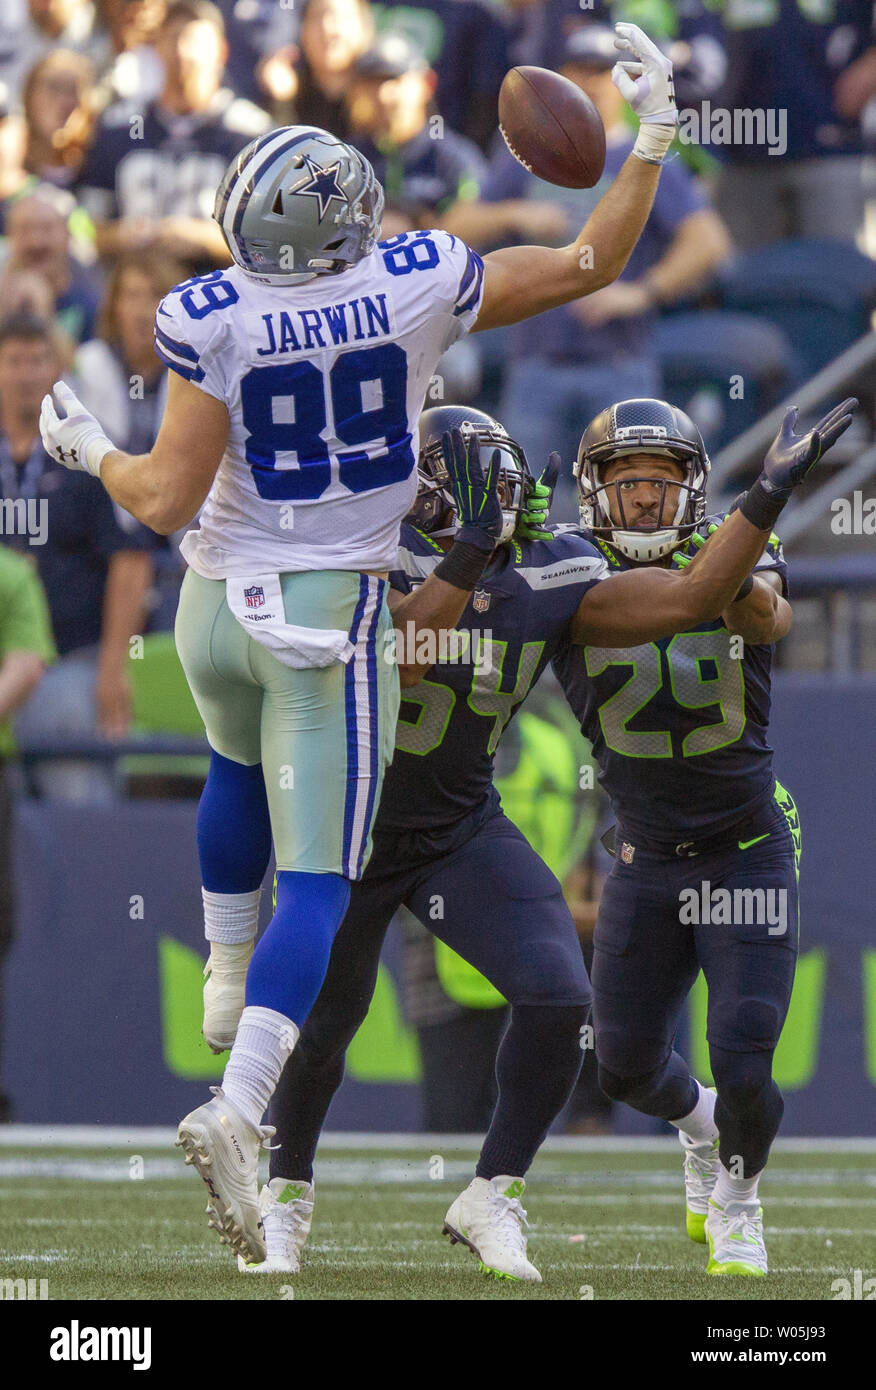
796,1056
497,1273
25,625
746,844
291,1192
515,1189
695,1224
180,974
788,808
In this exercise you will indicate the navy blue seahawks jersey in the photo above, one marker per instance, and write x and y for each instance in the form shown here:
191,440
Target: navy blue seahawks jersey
451,721
678,726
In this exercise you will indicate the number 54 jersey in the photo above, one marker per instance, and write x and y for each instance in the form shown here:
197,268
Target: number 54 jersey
679,726
324,383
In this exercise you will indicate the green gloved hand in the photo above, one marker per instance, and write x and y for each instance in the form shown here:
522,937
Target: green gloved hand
532,524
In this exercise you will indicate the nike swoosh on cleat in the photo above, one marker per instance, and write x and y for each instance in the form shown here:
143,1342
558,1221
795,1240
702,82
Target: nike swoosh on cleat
746,844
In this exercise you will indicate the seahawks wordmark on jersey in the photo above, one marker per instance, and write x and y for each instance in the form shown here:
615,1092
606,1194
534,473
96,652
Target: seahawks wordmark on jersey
324,384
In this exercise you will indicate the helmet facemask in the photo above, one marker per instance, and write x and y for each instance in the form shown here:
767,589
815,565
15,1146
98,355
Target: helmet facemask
434,509
675,519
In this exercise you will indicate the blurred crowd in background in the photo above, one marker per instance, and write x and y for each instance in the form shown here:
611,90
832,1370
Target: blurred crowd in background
117,120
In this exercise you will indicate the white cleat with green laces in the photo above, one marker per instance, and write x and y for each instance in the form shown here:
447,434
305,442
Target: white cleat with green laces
735,1236
701,1165
287,1211
488,1217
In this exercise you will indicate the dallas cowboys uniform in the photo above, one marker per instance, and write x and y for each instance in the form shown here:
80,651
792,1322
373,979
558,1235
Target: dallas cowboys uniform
324,382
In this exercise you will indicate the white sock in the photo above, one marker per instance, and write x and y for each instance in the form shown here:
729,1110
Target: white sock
263,1043
231,918
700,1123
730,1189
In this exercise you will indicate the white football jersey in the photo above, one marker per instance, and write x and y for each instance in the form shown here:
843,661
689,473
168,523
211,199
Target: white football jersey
324,384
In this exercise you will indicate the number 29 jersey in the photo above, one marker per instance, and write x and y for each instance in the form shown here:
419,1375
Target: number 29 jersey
678,726
324,383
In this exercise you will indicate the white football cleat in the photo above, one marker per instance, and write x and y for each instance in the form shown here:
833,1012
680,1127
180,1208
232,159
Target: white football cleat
225,1151
287,1211
224,992
701,1164
489,1219
735,1236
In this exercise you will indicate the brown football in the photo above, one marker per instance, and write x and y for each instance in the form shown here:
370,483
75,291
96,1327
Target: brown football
552,127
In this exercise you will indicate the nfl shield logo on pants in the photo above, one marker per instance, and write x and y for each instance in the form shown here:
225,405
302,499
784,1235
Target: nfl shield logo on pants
481,601
627,852
255,597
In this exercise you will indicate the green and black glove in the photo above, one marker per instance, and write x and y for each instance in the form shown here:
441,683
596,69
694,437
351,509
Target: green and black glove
532,525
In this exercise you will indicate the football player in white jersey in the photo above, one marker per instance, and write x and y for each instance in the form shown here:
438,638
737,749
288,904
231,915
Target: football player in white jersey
298,377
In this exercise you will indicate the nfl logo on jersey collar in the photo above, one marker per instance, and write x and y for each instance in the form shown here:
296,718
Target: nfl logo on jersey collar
627,852
481,600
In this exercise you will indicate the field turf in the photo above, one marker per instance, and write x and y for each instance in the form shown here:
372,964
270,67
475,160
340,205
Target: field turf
127,1222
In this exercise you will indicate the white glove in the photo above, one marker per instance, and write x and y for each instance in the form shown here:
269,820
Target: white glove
75,438
646,83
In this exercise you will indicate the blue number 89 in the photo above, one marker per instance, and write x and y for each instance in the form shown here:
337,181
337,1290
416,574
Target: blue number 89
304,385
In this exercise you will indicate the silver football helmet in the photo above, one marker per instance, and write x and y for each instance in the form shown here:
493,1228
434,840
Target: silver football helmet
297,203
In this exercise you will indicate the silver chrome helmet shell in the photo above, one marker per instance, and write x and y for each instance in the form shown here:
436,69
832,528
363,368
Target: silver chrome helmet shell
296,203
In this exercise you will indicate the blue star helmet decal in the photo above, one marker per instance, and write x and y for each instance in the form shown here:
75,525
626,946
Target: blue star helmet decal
323,184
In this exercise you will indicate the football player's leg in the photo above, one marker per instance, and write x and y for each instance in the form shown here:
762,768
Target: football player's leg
503,911
644,964
749,968
234,832
326,738
234,847
315,1070
313,1074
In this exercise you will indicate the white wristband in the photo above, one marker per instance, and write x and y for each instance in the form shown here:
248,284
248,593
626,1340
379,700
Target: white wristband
653,141
96,451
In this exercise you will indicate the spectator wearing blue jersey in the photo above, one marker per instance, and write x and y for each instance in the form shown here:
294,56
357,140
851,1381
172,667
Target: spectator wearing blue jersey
815,68
584,355
150,177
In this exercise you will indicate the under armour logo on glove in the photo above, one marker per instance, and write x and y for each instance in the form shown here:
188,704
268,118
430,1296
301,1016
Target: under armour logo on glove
74,438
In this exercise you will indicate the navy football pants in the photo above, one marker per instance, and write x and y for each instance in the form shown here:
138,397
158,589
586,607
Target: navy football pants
646,960
494,901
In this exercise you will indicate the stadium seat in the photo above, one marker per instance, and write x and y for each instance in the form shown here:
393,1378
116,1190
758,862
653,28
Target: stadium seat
821,293
701,354
163,704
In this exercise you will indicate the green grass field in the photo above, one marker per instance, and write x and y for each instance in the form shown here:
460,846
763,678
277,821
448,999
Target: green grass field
608,1223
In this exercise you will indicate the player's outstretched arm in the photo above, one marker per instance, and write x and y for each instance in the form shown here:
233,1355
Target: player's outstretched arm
164,488
520,281
759,614
643,605
437,605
